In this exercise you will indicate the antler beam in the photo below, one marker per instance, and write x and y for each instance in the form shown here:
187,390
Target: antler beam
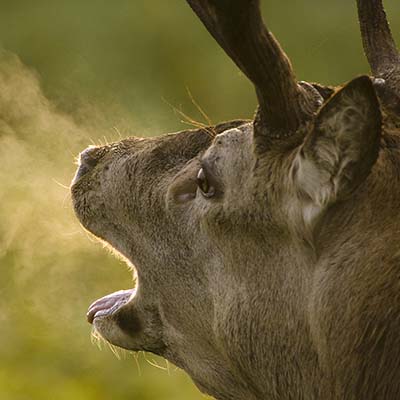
238,27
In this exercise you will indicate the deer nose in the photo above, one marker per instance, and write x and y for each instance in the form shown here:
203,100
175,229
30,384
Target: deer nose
88,159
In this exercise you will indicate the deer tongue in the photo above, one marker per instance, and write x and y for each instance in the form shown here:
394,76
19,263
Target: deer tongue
109,304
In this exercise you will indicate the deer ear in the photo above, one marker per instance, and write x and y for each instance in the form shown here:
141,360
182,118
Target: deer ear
339,153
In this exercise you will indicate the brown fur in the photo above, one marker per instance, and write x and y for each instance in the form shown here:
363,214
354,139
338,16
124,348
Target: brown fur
283,285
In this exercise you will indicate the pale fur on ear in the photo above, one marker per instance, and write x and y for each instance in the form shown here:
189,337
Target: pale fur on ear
338,154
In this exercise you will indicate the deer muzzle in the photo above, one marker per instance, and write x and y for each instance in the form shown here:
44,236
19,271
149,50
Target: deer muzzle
87,160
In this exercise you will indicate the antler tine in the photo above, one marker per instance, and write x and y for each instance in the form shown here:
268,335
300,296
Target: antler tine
238,27
378,42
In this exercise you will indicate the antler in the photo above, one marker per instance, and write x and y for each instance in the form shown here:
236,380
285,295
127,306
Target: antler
238,27
377,38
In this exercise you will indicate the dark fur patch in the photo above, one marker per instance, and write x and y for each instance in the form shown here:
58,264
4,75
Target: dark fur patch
128,322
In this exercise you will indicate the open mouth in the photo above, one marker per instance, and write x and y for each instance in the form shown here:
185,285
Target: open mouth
109,304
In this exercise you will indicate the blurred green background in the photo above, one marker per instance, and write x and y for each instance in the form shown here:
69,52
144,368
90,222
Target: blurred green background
74,73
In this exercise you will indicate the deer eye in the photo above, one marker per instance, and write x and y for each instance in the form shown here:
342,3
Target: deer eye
206,189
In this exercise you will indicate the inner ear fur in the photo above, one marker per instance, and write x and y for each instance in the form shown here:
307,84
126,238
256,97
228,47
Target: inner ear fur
338,154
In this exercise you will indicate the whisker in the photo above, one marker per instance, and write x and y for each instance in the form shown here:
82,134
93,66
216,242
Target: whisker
67,195
71,153
118,132
209,130
199,108
61,184
97,339
167,367
136,357
115,350
153,363
190,121
91,140
73,233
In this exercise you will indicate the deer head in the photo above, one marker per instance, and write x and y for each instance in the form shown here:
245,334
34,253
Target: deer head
266,251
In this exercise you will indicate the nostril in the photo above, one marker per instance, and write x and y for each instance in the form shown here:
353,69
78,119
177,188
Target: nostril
89,157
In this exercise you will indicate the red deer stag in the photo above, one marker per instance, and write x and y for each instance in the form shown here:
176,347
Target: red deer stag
267,257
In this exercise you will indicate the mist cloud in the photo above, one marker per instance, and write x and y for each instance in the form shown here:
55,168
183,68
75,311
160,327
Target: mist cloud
43,249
